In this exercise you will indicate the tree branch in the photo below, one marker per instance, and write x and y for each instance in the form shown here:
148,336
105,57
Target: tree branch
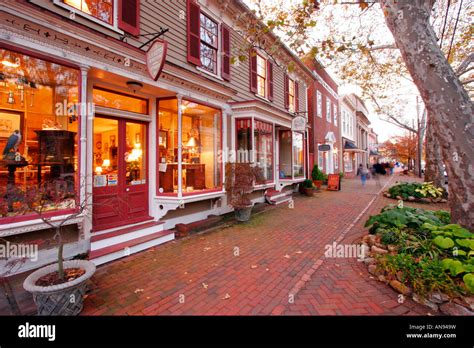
463,67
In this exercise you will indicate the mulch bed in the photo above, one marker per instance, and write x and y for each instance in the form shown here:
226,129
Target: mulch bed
53,278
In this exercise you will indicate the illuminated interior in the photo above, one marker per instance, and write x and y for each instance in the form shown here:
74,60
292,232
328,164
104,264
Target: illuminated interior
39,100
201,143
100,9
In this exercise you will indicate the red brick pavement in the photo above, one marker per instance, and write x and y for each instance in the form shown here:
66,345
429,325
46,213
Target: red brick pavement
256,268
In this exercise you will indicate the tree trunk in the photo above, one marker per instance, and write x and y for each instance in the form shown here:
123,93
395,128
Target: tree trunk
434,171
446,100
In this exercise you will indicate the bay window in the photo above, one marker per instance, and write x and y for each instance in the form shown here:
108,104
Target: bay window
200,135
263,135
257,149
39,125
298,154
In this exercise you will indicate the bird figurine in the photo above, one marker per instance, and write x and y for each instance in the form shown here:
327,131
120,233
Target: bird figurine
13,143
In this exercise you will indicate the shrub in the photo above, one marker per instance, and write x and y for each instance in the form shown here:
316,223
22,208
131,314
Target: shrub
415,189
239,181
307,184
317,174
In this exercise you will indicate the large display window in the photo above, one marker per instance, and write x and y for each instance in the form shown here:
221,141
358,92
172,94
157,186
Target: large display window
291,154
39,126
194,166
258,148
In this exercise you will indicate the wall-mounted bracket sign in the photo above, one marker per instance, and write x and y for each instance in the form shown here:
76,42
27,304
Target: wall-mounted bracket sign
324,147
298,124
155,58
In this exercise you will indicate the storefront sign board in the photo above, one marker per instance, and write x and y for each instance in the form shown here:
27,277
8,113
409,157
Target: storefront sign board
333,182
155,58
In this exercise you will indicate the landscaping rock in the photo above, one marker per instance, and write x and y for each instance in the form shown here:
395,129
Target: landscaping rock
380,245
451,308
375,249
400,287
369,260
399,276
425,200
371,239
436,200
365,250
411,198
470,301
444,201
382,278
400,197
388,195
438,297
365,239
374,270
425,302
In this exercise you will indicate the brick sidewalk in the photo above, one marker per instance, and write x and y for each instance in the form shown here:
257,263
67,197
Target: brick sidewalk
254,268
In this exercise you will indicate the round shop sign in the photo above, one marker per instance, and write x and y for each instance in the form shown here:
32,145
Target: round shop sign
155,58
298,124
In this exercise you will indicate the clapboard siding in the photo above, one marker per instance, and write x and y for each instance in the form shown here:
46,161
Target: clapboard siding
172,15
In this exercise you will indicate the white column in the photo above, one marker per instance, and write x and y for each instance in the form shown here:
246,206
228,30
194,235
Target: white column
330,158
84,119
180,147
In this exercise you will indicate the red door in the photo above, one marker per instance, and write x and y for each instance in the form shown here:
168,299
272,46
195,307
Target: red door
120,182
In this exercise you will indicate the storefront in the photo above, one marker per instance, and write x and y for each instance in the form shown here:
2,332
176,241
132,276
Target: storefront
350,157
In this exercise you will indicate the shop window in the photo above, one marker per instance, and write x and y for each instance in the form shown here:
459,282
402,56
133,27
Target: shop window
320,160
263,135
209,43
261,76
119,101
336,159
298,154
335,113
285,150
347,162
244,140
100,9
201,143
38,134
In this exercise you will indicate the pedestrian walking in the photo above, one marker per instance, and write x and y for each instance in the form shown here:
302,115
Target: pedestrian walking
376,174
363,172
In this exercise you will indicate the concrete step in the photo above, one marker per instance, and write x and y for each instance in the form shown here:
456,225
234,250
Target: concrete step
126,248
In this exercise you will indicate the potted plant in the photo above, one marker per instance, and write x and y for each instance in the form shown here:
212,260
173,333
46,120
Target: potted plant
318,176
308,187
58,289
239,181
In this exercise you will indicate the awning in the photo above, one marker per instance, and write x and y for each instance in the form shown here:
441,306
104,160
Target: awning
350,146
374,153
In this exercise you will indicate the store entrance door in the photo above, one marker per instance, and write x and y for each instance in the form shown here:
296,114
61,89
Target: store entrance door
120,174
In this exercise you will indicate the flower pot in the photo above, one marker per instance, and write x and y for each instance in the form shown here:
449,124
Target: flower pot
318,183
61,299
309,191
242,214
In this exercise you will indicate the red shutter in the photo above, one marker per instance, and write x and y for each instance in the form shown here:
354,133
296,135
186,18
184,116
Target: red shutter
129,16
287,94
270,80
253,71
225,31
194,28
297,97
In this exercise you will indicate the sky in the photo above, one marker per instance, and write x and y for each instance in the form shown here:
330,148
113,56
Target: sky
337,20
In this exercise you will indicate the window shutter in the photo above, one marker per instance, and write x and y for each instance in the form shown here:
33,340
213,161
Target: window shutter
270,80
129,16
297,97
253,71
194,28
287,95
225,31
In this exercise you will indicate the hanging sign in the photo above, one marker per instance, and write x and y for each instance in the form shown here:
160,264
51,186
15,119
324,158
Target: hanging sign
333,182
155,58
298,124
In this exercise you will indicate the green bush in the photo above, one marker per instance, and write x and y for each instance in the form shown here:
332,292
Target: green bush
415,189
317,174
432,253
307,184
